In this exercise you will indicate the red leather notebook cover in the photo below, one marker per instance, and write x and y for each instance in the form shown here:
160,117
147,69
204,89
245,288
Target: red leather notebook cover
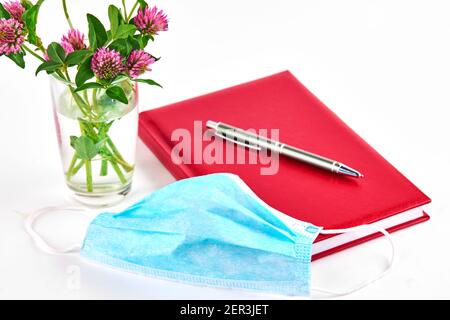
281,102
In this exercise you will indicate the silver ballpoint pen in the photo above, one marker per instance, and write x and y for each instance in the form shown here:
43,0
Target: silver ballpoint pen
253,141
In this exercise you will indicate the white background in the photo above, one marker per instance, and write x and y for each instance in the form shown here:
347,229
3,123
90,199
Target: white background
383,66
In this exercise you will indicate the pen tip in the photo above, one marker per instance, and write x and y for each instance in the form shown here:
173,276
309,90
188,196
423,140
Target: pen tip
350,172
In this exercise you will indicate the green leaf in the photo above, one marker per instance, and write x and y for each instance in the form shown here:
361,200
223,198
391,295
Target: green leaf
3,13
97,33
122,46
26,4
85,148
72,141
119,79
56,52
103,129
30,17
77,57
18,59
148,81
143,40
113,13
143,3
49,66
84,73
134,43
117,93
100,144
89,85
124,31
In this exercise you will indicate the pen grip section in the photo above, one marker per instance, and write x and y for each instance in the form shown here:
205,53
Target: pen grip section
246,138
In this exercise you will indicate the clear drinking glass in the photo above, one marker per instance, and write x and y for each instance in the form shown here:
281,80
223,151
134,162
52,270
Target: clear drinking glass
97,140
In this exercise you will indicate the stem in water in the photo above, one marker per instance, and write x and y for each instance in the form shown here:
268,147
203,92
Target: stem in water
104,168
119,172
89,185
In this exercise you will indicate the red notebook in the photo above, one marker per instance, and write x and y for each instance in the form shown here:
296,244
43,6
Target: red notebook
384,196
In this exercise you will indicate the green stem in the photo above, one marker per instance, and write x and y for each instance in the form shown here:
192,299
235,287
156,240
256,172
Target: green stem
66,13
118,171
104,168
127,18
77,168
59,73
113,147
86,98
72,164
33,53
66,73
89,185
128,167
94,101
124,9
82,105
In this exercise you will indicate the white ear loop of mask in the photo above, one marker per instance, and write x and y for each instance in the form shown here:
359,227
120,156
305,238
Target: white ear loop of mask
363,284
37,238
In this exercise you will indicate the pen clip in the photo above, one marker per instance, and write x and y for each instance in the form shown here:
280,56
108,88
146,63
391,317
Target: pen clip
243,144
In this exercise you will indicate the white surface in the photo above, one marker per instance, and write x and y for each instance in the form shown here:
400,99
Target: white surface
382,66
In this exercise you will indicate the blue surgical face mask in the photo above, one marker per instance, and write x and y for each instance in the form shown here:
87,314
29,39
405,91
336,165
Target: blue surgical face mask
210,230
